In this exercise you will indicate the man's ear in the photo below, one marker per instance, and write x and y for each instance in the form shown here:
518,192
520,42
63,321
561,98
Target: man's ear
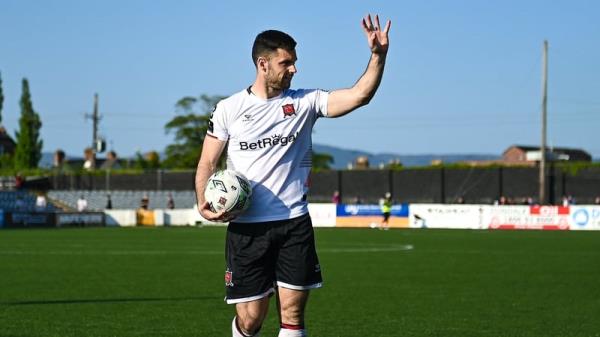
262,64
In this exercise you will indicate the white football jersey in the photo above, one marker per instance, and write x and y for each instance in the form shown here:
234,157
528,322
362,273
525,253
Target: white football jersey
270,142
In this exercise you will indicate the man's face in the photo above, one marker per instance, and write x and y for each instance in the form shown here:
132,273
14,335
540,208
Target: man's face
281,68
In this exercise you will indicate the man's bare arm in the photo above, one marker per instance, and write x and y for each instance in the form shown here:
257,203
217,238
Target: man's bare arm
343,101
211,152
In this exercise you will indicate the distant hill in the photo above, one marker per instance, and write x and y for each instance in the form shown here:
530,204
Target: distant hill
342,157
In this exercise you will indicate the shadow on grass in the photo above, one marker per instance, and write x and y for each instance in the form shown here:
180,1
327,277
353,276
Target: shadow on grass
110,300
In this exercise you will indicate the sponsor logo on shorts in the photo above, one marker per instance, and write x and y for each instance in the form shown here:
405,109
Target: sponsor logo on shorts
228,278
274,140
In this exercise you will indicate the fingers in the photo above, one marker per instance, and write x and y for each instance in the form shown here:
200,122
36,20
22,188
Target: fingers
368,26
388,25
208,214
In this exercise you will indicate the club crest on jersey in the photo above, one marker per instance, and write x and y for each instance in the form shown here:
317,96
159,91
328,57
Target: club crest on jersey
228,278
288,110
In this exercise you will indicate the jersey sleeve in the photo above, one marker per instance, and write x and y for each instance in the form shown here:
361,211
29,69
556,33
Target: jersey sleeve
320,103
217,126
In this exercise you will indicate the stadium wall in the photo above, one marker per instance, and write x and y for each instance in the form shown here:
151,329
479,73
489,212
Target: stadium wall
474,185
451,216
581,217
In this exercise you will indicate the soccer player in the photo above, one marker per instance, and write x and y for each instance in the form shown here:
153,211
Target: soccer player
386,210
270,248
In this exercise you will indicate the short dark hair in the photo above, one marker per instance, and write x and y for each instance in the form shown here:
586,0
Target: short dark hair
269,41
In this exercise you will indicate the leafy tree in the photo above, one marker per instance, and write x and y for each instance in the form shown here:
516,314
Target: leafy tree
189,127
321,161
28,151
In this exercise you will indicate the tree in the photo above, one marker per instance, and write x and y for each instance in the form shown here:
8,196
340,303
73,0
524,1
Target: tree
28,151
189,128
321,161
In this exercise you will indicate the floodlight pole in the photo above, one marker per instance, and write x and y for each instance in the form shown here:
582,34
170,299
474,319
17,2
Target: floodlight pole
95,119
544,120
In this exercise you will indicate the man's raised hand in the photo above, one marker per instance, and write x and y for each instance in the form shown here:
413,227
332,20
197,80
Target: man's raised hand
377,38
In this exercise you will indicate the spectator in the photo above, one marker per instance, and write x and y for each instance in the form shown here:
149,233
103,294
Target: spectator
111,162
144,203
108,202
170,202
19,181
597,201
20,203
568,200
82,204
40,202
336,197
460,200
503,200
89,156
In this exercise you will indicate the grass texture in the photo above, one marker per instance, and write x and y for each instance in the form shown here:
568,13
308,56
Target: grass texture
402,282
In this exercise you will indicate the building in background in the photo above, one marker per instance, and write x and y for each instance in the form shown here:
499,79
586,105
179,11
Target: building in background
520,154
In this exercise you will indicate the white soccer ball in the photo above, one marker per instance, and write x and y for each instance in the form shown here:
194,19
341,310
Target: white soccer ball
228,191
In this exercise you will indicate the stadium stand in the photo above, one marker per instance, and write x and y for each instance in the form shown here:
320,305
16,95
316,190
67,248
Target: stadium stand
22,201
123,199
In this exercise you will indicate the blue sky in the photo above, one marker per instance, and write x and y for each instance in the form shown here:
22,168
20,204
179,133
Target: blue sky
461,76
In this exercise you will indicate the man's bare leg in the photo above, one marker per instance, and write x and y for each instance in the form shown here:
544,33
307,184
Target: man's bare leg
249,318
291,304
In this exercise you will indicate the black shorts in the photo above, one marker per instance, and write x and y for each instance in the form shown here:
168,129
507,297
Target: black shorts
263,255
386,216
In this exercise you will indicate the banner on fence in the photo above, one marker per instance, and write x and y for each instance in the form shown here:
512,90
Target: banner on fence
445,216
80,219
585,218
370,216
527,217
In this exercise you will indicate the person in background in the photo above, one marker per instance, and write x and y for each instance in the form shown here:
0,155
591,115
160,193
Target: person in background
59,163
170,202
111,162
145,203
597,201
82,204
108,202
89,157
336,197
19,181
20,203
386,209
40,202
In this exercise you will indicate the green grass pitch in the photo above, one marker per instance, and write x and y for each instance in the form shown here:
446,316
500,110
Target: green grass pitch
169,282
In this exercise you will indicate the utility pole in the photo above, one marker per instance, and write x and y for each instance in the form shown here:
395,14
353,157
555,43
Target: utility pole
95,121
544,120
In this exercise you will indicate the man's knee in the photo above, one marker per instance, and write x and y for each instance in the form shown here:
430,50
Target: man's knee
249,324
251,315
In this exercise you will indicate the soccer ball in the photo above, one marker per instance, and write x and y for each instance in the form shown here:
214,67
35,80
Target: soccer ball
228,191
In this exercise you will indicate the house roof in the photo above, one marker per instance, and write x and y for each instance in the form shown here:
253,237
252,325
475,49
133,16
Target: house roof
572,152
